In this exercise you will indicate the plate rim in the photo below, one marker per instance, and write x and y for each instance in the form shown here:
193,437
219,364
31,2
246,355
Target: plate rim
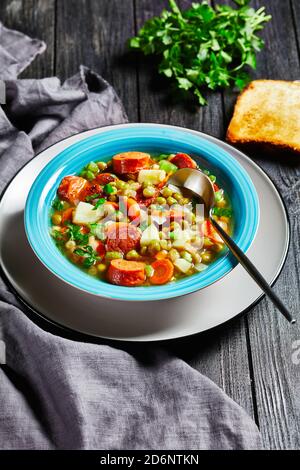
61,268
81,336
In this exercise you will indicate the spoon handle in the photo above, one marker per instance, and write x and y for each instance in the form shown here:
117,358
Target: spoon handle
254,273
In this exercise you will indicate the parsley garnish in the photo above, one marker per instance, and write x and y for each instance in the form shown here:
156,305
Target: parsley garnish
90,256
91,197
222,212
58,237
75,234
204,47
57,204
99,203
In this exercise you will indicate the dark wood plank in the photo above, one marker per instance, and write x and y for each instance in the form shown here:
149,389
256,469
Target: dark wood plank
158,107
276,378
94,33
295,6
220,355
37,19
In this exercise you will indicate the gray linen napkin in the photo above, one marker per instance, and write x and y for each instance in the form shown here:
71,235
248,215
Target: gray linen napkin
56,393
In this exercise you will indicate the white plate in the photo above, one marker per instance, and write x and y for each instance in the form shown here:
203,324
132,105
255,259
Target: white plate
138,321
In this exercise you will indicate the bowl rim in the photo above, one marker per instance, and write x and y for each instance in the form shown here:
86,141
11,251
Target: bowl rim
120,292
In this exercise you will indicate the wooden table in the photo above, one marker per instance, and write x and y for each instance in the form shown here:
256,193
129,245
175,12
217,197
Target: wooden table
252,357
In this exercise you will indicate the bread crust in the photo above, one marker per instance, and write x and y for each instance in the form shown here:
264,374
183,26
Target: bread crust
242,109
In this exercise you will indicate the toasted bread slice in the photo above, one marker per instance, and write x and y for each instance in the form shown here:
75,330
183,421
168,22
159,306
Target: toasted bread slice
267,113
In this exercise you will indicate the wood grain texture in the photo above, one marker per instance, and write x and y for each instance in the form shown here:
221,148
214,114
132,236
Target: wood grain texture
276,378
94,33
37,19
221,355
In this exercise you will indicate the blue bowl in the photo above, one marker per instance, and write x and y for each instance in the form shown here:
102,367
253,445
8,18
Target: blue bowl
146,137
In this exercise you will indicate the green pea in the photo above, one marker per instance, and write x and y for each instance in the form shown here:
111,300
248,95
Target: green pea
132,254
90,175
101,267
164,244
149,191
154,246
206,257
113,255
161,200
93,167
102,165
166,192
184,201
171,201
109,189
65,205
213,178
120,184
56,219
134,185
177,196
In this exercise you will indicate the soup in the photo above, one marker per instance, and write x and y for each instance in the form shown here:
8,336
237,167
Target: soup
121,221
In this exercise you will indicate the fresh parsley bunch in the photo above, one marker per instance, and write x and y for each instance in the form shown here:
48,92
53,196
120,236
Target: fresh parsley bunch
204,47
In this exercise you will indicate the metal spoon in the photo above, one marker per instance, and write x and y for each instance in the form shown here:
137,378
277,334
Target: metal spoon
200,185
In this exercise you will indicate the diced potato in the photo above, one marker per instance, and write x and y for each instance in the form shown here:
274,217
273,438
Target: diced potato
200,267
149,234
151,176
182,237
183,265
85,214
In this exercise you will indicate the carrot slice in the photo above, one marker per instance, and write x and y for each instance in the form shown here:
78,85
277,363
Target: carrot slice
183,160
210,232
126,273
163,271
133,208
67,215
130,162
161,255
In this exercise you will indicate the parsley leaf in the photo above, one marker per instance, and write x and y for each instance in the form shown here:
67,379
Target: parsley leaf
91,197
222,212
99,203
204,47
75,234
90,256
57,204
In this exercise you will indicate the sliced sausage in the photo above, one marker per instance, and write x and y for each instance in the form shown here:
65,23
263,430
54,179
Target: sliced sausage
71,188
122,237
126,273
183,160
91,189
130,162
105,178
